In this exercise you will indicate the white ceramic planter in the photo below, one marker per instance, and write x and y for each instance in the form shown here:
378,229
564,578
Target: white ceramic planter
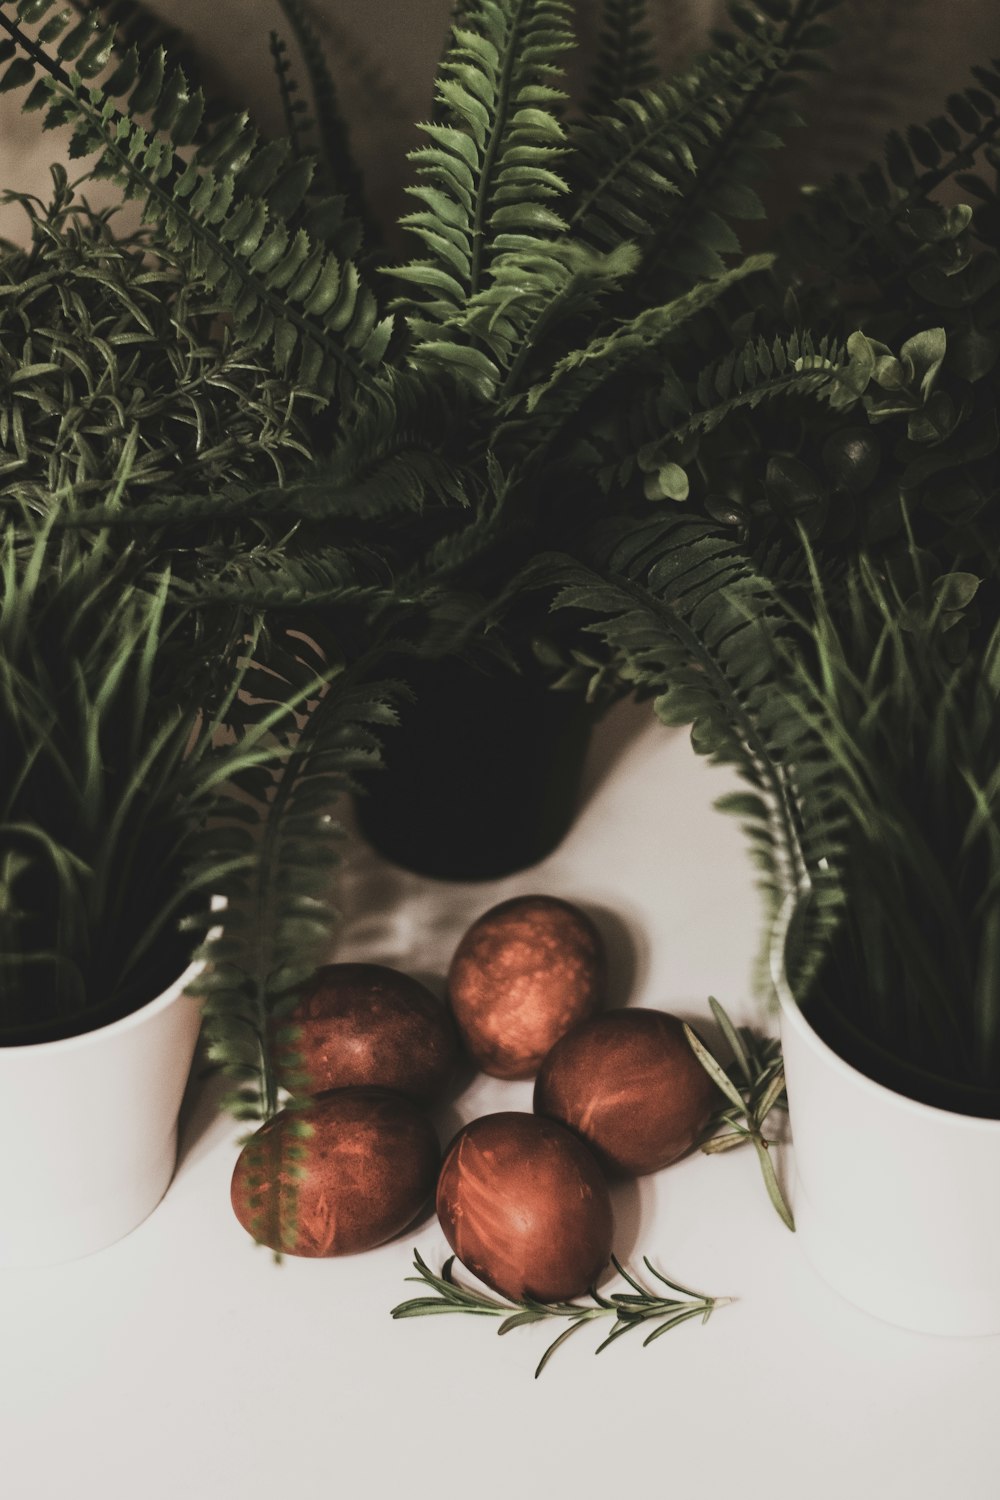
88,1129
897,1204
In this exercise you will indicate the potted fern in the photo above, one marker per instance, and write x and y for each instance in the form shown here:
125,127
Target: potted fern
557,258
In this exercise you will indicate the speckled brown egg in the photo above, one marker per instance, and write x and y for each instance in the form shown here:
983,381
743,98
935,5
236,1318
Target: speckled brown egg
367,1160
366,1025
628,1082
524,1205
522,975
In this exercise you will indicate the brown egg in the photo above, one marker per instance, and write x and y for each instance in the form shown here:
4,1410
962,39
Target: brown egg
366,1161
522,975
366,1025
524,1205
629,1084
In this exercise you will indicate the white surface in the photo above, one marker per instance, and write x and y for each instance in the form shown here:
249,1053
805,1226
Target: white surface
88,1129
182,1362
898,1207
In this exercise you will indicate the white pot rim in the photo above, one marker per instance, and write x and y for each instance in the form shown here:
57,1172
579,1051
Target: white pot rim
793,1014
123,1024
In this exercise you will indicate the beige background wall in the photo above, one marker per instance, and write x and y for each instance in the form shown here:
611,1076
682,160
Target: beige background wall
383,53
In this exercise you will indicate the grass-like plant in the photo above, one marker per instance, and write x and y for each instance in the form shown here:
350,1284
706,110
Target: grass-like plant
903,697
109,720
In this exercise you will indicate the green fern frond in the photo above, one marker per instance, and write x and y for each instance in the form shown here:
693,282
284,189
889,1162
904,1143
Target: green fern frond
140,32
136,25
339,218
285,898
489,174
626,56
228,213
579,375
761,369
690,622
694,232
272,577
399,451
535,293
654,438
405,476
642,150
396,452
441,574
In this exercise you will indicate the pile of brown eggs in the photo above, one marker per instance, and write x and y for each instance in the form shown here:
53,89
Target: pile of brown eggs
522,1197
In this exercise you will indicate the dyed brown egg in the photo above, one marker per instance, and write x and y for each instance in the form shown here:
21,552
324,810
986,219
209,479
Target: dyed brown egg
524,1205
629,1084
366,1161
366,1025
522,975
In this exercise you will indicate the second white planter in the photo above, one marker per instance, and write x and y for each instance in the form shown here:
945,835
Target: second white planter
88,1129
897,1203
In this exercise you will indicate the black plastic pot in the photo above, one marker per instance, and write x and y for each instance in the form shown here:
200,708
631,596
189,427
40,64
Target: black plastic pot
482,777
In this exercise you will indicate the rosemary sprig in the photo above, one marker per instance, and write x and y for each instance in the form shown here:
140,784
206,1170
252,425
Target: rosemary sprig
754,1084
629,1309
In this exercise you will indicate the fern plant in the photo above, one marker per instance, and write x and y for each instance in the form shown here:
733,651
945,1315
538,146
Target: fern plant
691,624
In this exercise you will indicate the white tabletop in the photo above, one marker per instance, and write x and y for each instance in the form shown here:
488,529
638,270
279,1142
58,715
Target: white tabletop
183,1362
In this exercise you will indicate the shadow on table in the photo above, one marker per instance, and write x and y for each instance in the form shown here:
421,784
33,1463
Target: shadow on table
613,737
201,1110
